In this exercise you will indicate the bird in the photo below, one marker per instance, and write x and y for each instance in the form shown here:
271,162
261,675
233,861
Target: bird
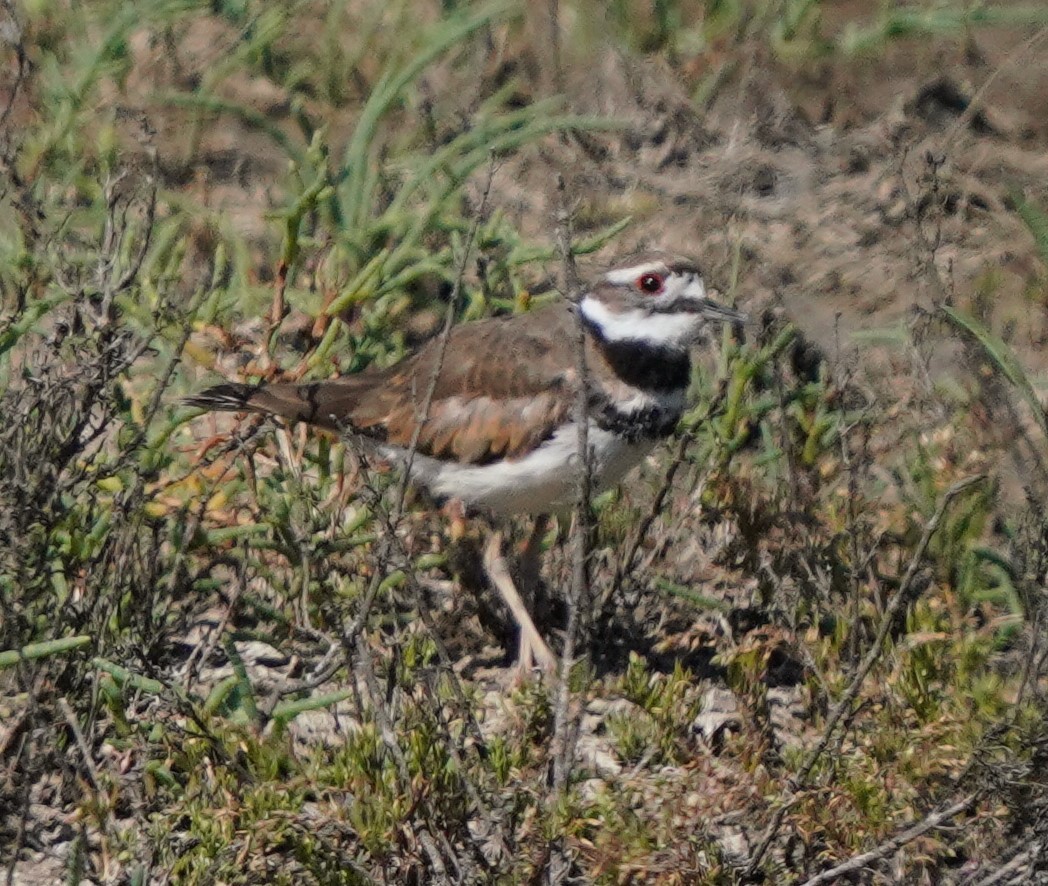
500,435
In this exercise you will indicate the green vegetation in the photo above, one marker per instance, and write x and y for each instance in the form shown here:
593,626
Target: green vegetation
227,656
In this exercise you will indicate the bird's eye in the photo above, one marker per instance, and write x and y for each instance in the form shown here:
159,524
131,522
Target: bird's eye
650,283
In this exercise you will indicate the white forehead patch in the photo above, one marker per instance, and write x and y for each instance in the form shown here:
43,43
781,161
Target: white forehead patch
622,276
695,287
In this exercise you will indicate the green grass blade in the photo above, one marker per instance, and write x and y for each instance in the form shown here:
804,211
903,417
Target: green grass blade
1036,221
33,651
1003,358
288,710
391,85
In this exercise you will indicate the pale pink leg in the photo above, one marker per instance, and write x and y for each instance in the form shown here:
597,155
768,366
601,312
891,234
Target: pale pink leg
533,651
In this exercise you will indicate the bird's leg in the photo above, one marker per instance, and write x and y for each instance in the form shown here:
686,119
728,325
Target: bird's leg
533,650
455,511
531,558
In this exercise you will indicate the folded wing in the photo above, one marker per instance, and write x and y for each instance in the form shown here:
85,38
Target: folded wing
500,391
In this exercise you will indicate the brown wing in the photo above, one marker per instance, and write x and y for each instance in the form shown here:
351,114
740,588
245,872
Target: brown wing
502,389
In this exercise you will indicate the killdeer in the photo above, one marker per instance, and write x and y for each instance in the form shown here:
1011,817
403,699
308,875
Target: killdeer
500,435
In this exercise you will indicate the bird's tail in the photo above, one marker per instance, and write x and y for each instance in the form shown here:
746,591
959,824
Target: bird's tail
328,404
228,397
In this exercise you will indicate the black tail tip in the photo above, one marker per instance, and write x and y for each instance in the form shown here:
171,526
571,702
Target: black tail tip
232,397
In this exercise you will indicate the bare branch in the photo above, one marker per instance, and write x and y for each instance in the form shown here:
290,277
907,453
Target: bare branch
1014,869
397,511
131,274
890,847
449,320
578,596
391,548
625,565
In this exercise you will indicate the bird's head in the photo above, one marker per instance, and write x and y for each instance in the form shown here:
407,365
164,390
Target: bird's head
653,298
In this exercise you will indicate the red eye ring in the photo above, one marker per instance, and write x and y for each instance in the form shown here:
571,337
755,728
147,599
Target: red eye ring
650,283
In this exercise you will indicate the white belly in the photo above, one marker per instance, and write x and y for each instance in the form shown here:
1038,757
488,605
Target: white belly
541,482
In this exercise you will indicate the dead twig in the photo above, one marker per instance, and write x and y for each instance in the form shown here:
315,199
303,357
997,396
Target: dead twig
626,563
85,749
889,847
390,549
976,100
422,416
1014,869
578,595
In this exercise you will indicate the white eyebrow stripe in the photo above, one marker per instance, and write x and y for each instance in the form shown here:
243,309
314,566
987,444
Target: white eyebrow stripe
696,288
628,275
